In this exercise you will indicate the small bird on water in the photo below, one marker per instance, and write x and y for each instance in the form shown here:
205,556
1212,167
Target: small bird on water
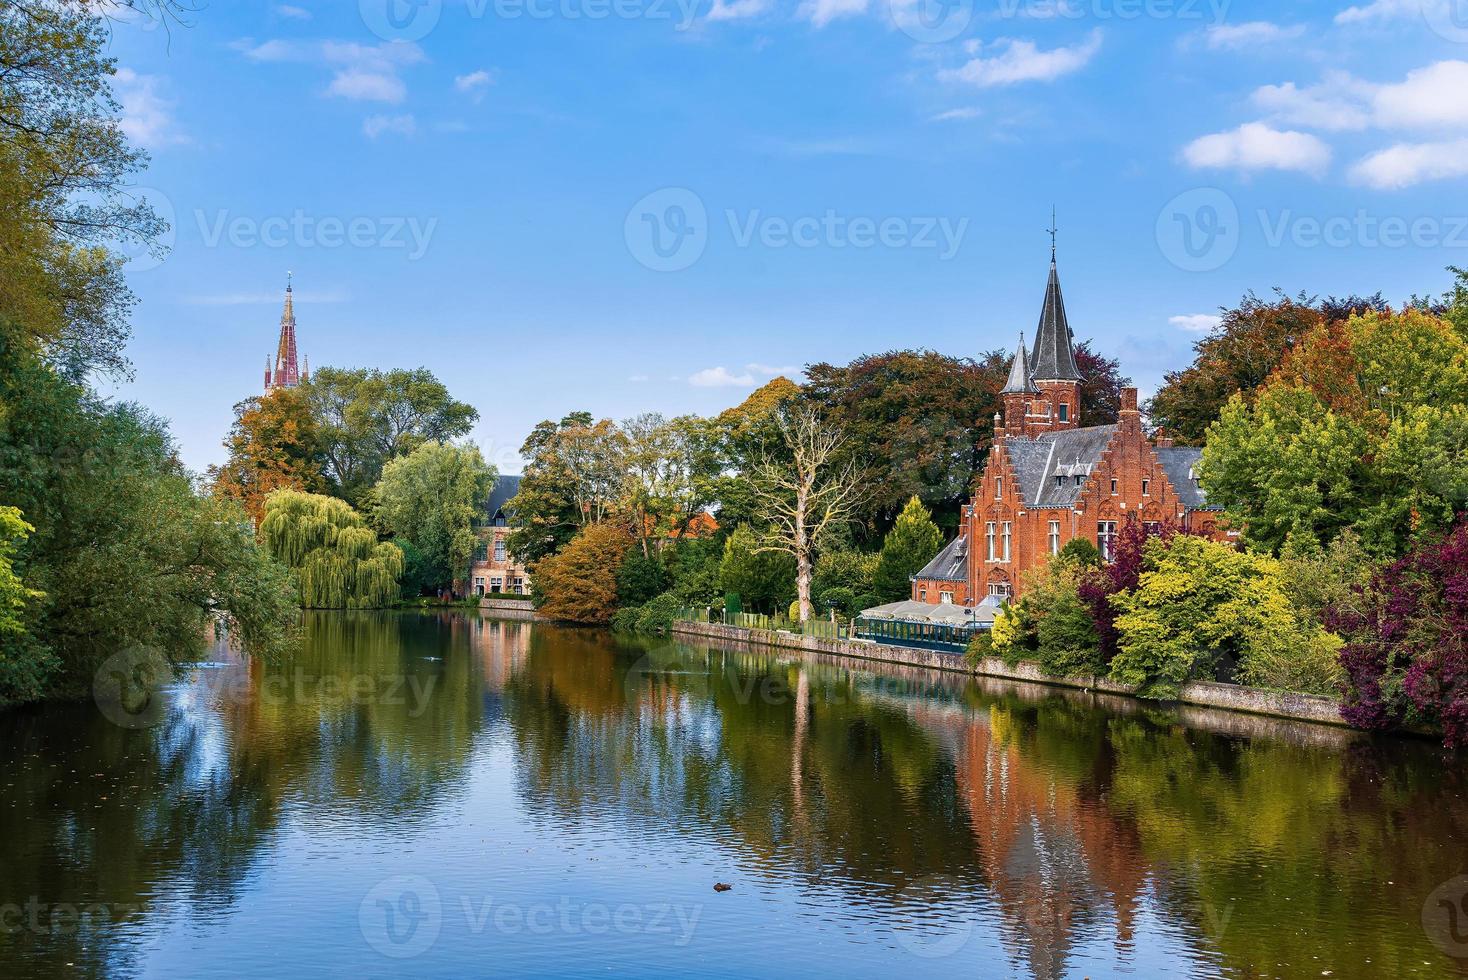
719,886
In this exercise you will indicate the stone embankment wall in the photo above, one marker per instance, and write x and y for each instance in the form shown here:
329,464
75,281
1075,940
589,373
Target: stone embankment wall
509,607
1231,697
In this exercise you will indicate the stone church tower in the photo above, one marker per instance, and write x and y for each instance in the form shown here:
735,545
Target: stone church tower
285,372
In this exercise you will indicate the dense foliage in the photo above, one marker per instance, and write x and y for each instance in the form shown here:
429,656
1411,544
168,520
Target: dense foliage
913,542
124,550
1364,426
1406,657
433,497
336,557
578,584
764,581
274,444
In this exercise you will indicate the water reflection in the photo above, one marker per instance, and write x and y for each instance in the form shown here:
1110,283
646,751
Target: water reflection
877,820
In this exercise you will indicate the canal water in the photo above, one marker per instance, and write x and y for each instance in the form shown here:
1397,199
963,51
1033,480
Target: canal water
445,795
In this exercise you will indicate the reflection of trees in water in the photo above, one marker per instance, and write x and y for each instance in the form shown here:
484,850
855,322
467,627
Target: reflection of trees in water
97,815
1067,817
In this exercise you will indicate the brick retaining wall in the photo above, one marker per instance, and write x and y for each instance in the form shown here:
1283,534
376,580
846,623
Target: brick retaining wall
1231,697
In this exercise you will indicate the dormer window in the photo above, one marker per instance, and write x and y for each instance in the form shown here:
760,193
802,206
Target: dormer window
1080,479
1060,481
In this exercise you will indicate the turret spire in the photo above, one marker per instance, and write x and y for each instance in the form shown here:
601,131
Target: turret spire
1020,382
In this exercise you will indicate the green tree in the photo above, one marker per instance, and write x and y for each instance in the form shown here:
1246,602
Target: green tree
641,577
573,478
762,579
65,168
1235,358
432,497
127,554
1201,604
913,542
579,583
15,595
365,418
1364,425
336,557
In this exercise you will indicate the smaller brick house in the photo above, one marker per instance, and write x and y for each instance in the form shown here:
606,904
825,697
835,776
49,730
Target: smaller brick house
493,568
1049,480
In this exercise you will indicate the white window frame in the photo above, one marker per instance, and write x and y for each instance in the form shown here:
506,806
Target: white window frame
1055,537
989,529
1006,536
1106,539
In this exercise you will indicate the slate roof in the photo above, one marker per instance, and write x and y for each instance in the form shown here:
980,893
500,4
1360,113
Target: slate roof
1020,382
1053,358
1178,462
505,487
1067,454
951,565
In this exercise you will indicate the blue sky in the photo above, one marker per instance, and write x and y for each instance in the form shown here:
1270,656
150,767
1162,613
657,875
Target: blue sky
634,205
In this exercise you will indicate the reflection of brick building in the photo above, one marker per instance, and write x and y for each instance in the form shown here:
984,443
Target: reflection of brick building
1048,480
494,569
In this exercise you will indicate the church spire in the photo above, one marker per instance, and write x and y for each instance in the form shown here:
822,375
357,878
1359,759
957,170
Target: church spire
1053,358
287,373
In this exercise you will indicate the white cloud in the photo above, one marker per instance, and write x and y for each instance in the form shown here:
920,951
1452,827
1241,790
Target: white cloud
1412,163
1254,32
1255,146
822,12
964,112
1337,103
1434,97
1021,61
738,9
363,72
147,117
474,83
719,377
1195,322
1380,10
292,13
403,125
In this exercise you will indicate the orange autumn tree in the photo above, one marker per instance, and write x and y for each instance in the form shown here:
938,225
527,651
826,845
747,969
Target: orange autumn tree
578,584
272,445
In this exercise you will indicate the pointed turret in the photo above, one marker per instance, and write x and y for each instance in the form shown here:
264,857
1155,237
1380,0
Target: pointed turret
1054,356
287,372
1020,378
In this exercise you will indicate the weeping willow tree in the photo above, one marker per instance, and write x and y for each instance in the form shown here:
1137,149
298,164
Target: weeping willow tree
336,557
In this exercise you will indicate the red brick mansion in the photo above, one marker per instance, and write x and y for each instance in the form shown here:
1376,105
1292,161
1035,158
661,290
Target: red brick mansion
1049,479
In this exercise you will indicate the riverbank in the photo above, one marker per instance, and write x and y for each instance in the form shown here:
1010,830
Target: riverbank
1207,694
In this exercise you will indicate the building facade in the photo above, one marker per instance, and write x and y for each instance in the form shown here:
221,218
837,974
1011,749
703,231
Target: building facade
284,371
1049,479
494,568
